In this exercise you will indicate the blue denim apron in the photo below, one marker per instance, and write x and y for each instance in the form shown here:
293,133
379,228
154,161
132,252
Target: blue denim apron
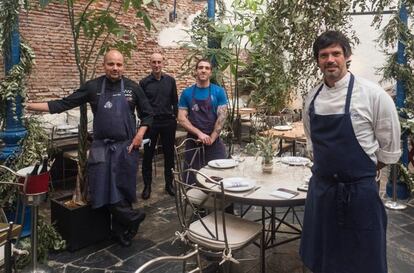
345,222
202,116
112,171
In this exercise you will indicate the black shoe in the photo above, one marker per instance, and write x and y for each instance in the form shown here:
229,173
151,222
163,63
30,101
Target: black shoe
169,189
146,193
134,226
122,240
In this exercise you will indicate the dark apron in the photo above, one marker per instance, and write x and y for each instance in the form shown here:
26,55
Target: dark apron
112,172
202,116
345,221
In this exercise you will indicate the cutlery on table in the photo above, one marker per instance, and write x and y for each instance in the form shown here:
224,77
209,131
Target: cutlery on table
251,191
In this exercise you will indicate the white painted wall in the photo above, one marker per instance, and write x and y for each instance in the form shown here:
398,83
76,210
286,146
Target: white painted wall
367,56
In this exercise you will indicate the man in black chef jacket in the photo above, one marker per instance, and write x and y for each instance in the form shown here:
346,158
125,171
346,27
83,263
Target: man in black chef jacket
161,91
113,156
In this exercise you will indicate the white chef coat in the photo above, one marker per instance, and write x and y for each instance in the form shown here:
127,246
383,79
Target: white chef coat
373,115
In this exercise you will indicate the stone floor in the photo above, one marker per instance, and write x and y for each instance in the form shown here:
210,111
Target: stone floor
157,232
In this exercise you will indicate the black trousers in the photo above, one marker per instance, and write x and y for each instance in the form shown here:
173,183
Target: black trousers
122,216
165,129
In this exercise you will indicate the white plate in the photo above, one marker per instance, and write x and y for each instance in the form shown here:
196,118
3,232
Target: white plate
295,160
283,127
73,131
238,184
222,163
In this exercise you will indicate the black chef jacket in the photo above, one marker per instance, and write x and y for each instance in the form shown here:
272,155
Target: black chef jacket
91,90
162,95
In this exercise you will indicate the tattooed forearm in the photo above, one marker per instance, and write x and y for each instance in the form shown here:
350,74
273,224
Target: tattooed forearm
221,118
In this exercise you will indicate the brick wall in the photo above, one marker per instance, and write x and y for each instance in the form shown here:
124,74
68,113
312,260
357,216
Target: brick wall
55,74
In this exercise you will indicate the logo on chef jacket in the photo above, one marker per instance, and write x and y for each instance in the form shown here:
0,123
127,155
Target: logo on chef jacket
128,94
355,115
108,105
195,107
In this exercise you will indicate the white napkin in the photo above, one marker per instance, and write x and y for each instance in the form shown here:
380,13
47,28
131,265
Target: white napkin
283,193
236,184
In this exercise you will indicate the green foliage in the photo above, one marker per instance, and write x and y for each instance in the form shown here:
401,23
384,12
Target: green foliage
282,58
266,147
277,36
14,83
9,11
34,145
406,177
393,31
48,238
94,31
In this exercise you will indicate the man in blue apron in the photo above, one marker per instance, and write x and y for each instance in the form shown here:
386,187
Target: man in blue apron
202,111
353,130
113,156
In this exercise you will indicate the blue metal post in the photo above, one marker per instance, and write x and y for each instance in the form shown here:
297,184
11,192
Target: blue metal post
211,4
14,130
401,88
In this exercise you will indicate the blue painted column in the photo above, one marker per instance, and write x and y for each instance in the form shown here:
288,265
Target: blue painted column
14,130
401,88
211,4
212,42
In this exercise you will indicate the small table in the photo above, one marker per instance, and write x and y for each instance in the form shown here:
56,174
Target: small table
297,133
283,176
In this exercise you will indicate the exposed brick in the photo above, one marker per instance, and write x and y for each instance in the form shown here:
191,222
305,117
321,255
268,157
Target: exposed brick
55,74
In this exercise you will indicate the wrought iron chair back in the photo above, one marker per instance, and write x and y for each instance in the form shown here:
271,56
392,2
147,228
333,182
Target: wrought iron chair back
189,211
184,259
189,154
217,233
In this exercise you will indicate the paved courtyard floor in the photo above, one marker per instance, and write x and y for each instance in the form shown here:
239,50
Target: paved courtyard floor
157,233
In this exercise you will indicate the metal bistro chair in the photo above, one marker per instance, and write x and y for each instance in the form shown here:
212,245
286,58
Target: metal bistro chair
33,189
218,233
190,154
184,259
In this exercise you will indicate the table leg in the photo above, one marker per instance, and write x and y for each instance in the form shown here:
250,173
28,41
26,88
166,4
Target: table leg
294,148
263,243
273,225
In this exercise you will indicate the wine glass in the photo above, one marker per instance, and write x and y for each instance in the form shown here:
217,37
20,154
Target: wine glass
288,120
236,152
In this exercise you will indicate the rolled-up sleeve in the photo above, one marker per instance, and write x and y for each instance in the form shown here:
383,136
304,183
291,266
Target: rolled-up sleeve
306,122
387,130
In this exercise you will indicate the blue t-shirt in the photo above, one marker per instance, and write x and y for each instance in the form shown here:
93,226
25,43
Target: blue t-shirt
218,96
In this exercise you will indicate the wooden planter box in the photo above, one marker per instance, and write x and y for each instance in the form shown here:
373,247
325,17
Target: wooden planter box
82,226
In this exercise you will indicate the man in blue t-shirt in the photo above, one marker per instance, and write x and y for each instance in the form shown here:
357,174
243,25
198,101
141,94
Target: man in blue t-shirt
202,111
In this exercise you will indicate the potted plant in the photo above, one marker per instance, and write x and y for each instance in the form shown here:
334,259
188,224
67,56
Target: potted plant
267,148
94,30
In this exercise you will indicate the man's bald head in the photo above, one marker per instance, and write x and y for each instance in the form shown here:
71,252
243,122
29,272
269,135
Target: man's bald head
157,63
113,64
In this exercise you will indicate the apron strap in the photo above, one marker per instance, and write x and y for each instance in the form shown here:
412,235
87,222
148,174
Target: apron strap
349,94
194,89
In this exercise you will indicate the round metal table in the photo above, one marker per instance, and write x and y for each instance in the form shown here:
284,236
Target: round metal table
283,176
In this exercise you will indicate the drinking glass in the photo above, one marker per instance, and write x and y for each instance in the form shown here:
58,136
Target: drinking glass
237,153
288,119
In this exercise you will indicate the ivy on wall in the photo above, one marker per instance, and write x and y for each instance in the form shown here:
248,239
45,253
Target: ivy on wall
14,83
36,141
